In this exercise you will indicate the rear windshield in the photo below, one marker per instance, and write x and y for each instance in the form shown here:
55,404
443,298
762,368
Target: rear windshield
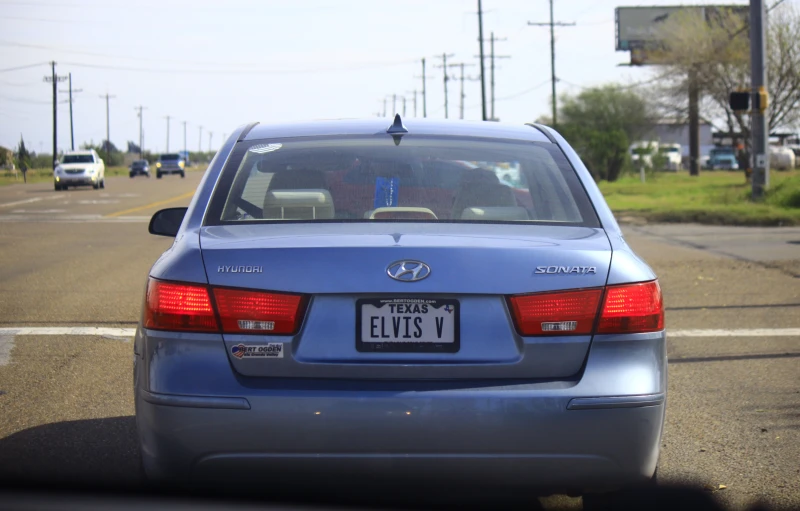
170,157
433,179
77,158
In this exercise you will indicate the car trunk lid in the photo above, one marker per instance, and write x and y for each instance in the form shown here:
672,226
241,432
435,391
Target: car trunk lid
342,271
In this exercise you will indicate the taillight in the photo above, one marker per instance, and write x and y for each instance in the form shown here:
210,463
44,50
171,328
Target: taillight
632,308
185,307
559,313
189,307
252,312
626,309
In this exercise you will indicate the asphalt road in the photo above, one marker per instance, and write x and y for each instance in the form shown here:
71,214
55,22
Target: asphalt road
80,258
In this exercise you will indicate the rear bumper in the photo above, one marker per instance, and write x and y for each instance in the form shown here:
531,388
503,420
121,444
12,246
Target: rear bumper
515,441
599,432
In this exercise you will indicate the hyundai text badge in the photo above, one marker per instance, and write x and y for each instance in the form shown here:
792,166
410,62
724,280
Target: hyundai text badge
408,271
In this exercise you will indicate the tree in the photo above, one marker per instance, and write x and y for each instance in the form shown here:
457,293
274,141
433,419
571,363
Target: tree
714,53
114,157
133,148
601,123
23,156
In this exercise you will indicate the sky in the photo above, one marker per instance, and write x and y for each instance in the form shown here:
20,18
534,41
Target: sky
220,64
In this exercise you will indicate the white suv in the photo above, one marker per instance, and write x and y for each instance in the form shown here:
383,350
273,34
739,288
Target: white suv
80,168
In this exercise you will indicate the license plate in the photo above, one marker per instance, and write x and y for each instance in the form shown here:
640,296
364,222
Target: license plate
407,325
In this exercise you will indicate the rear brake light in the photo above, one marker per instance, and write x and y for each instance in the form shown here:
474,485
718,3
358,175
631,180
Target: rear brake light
251,312
183,307
559,313
633,308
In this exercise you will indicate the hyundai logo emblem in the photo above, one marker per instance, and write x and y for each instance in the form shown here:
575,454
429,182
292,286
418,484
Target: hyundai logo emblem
408,271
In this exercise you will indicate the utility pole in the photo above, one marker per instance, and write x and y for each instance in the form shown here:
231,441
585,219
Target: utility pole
424,96
71,125
141,132
54,80
552,24
758,83
483,79
462,95
384,107
446,78
492,58
167,117
108,128
404,105
210,134
184,142
200,140
694,124
394,104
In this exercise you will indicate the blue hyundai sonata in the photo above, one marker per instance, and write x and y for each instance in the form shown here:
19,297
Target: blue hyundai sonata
427,300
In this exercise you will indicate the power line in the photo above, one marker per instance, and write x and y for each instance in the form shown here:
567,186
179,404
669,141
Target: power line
207,71
24,100
552,24
23,67
526,91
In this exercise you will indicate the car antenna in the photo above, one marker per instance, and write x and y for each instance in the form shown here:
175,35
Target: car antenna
397,130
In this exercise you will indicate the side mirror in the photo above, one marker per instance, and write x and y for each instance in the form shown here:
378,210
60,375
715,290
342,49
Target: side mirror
167,222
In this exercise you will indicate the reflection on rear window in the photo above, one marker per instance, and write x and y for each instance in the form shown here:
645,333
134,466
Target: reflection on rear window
170,157
421,179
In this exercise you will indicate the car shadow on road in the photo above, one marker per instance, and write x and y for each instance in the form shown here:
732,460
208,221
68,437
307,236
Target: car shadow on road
96,450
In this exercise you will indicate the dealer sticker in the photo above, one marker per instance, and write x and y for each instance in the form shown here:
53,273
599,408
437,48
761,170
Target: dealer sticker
271,350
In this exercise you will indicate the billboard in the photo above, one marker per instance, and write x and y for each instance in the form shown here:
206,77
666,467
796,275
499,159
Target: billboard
639,29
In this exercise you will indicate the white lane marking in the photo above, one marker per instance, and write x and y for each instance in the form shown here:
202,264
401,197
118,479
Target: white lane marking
745,332
26,201
6,344
59,218
119,333
38,212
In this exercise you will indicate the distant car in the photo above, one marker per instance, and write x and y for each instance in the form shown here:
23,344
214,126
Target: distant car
139,168
781,158
722,158
171,163
672,155
642,153
80,168
349,295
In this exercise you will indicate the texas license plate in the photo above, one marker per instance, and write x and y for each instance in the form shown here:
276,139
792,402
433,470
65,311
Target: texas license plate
407,325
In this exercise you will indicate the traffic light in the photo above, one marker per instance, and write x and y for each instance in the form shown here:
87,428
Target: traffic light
760,100
740,101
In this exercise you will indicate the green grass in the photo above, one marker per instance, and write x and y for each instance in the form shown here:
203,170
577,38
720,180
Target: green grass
39,175
712,198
